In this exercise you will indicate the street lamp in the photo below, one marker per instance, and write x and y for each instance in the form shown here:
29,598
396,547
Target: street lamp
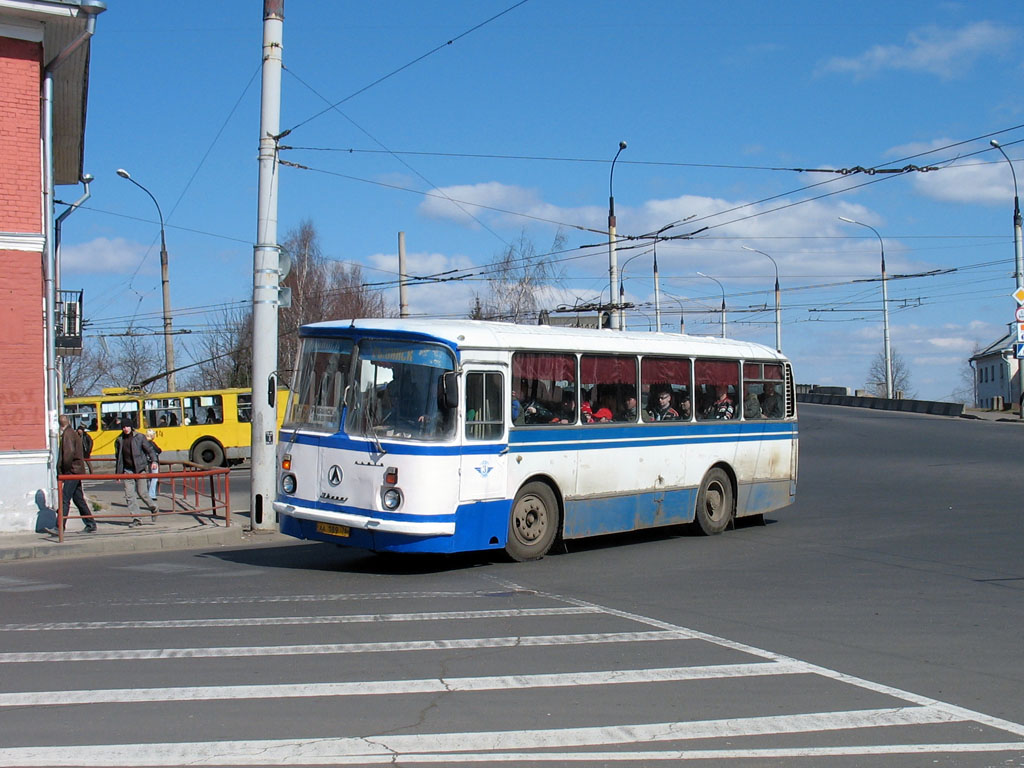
778,300
612,267
682,310
709,277
168,339
885,310
1019,260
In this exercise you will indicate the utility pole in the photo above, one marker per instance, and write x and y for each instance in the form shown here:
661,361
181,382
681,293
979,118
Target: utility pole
266,279
403,298
613,270
1018,263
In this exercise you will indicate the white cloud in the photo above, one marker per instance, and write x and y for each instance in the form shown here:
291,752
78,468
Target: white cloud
973,182
930,50
102,255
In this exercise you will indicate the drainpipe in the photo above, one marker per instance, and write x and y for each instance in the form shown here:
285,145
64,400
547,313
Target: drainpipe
91,9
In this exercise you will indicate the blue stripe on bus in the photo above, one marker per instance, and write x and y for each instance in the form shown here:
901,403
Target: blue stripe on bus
569,438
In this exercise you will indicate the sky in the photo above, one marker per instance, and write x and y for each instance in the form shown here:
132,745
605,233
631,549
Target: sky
470,125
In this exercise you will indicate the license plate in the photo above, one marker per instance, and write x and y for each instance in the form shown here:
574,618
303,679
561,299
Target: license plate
332,529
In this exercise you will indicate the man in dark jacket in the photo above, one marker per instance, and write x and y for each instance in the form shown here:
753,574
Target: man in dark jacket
134,455
70,462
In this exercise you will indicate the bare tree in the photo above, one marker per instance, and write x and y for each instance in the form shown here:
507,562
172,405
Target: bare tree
226,354
516,281
966,391
321,290
134,359
900,376
86,373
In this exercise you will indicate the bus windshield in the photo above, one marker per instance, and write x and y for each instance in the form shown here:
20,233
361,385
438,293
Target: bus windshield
324,366
398,391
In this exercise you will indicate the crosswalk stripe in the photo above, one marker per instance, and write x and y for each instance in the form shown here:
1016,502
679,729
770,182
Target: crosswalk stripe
397,687
493,746
268,621
340,648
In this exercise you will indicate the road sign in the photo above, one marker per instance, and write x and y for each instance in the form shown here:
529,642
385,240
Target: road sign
1018,351
1019,295
1020,314
1020,331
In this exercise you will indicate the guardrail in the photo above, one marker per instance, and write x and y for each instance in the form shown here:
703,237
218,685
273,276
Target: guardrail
932,407
194,490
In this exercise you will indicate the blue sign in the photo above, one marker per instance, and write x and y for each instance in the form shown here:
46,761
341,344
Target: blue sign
1018,351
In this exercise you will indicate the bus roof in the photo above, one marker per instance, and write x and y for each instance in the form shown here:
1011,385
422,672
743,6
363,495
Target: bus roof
481,334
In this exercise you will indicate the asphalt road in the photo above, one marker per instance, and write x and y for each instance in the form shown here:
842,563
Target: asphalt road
877,622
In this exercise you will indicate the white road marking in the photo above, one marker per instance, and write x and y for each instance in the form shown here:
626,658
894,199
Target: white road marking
306,650
364,618
397,687
322,598
966,714
495,746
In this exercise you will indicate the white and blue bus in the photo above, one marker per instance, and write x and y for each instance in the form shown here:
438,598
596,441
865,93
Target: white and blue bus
457,435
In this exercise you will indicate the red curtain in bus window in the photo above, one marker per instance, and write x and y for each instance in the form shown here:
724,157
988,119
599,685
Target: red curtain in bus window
662,370
607,370
545,367
751,371
773,372
716,372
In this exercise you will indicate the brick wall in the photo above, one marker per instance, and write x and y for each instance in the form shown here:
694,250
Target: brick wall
21,182
22,399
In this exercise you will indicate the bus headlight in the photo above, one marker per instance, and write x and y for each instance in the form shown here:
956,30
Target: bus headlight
392,499
288,484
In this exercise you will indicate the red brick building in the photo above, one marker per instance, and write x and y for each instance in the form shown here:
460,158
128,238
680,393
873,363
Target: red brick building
44,74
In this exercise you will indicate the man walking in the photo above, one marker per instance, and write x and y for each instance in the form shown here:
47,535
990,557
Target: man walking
71,462
134,456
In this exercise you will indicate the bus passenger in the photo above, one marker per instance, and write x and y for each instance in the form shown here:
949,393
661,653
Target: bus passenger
723,407
567,412
751,406
663,410
771,403
629,413
604,411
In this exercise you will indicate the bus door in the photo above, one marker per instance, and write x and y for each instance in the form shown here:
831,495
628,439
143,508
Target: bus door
483,469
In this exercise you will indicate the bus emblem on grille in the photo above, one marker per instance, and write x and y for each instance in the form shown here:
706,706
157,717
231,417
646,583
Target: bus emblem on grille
334,475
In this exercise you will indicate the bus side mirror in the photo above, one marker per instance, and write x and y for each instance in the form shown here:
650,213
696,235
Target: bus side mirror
450,385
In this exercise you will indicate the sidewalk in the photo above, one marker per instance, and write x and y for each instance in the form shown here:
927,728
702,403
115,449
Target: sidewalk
170,531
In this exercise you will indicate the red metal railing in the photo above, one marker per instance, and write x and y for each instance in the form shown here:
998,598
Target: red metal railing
193,490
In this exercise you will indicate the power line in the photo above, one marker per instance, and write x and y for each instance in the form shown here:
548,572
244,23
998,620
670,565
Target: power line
391,74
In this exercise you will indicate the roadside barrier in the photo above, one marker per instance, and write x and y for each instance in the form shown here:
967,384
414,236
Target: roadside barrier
880,403
193,490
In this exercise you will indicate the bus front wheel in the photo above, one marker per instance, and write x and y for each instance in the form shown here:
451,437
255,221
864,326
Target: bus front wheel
208,453
714,503
533,524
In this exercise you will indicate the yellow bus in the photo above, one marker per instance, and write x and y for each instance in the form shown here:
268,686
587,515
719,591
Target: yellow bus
208,427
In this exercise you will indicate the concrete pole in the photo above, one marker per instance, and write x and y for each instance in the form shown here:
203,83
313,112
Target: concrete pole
885,310
1018,262
657,292
166,285
778,299
172,385
266,278
613,269
403,296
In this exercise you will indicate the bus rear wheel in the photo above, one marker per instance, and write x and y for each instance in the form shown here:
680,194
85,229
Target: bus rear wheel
533,524
714,503
208,453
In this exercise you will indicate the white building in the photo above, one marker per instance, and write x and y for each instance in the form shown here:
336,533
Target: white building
995,375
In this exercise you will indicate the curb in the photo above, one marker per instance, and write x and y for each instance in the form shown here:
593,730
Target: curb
40,546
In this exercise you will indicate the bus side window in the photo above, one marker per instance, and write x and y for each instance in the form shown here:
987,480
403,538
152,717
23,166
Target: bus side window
484,406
